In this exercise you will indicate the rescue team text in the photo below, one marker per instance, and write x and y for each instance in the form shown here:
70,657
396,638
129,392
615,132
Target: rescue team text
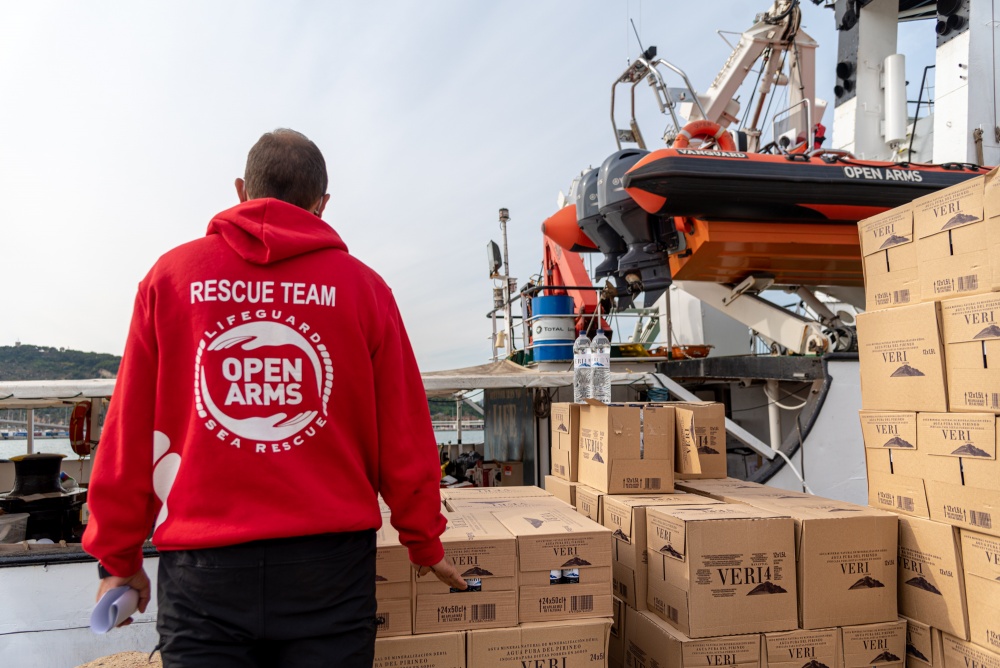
262,292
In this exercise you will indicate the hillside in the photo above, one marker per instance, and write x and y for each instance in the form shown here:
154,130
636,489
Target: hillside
27,362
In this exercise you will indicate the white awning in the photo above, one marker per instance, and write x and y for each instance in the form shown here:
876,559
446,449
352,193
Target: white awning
506,374
44,393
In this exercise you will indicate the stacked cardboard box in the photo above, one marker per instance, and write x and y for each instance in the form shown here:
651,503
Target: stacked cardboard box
393,584
846,554
930,421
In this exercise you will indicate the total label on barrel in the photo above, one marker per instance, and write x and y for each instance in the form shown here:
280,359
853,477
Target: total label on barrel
553,329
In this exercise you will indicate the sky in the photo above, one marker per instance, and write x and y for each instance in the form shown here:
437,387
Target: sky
124,124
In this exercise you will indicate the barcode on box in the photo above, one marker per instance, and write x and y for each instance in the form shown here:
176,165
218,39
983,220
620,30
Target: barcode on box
968,283
581,603
905,503
995,400
560,469
651,483
623,589
672,614
484,612
901,297
980,519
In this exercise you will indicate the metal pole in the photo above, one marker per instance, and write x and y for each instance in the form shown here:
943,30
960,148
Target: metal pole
773,414
458,421
508,324
31,431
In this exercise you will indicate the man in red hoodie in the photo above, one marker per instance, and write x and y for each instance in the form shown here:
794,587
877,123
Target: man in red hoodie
267,394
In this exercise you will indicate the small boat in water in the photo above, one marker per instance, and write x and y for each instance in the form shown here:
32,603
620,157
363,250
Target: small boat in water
789,188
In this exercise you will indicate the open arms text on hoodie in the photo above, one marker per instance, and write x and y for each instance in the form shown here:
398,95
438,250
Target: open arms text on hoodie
268,390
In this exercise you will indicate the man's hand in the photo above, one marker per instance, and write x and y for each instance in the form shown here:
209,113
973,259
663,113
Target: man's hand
138,581
444,571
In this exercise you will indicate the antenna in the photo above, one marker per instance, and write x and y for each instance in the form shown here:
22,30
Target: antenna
649,53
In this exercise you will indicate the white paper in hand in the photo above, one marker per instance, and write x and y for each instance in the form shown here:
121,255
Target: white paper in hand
114,608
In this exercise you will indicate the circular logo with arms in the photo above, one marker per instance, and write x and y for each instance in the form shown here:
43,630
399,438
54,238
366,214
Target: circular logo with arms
263,380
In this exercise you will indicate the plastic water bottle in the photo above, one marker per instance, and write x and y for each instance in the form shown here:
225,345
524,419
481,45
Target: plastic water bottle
600,360
581,369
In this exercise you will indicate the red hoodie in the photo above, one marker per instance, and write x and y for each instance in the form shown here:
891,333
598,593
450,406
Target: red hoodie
268,390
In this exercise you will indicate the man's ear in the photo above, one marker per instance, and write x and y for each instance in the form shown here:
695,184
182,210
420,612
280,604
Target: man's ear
241,190
322,205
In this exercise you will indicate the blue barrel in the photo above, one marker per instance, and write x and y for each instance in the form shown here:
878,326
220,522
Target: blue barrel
552,328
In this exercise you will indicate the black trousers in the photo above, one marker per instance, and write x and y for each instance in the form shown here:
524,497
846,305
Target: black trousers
289,603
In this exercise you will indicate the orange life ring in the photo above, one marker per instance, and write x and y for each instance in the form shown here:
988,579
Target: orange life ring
79,428
704,130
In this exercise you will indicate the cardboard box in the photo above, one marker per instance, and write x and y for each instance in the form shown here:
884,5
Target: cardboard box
957,434
563,490
572,644
797,649
870,645
560,540
959,653
701,441
471,493
722,489
722,569
972,350
845,556
981,558
564,422
512,474
590,503
923,645
889,429
902,359
952,248
626,516
652,642
891,483
485,554
393,584
890,259
963,487
490,505
393,617
437,650
931,582
616,641
627,448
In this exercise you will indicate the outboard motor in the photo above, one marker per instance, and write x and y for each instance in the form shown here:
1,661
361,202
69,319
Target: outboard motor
650,238
590,220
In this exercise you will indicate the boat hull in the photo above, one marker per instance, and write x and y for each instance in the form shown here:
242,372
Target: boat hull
718,185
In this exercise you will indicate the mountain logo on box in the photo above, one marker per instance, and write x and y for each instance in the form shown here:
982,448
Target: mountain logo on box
906,371
844,510
533,522
914,652
990,332
897,442
669,549
867,582
621,535
476,570
920,583
705,450
562,427
767,588
815,664
959,219
597,458
379,578
894,240
885,657
575,561
969,450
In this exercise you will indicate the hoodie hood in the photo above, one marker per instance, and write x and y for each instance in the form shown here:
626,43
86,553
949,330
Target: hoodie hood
264,231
